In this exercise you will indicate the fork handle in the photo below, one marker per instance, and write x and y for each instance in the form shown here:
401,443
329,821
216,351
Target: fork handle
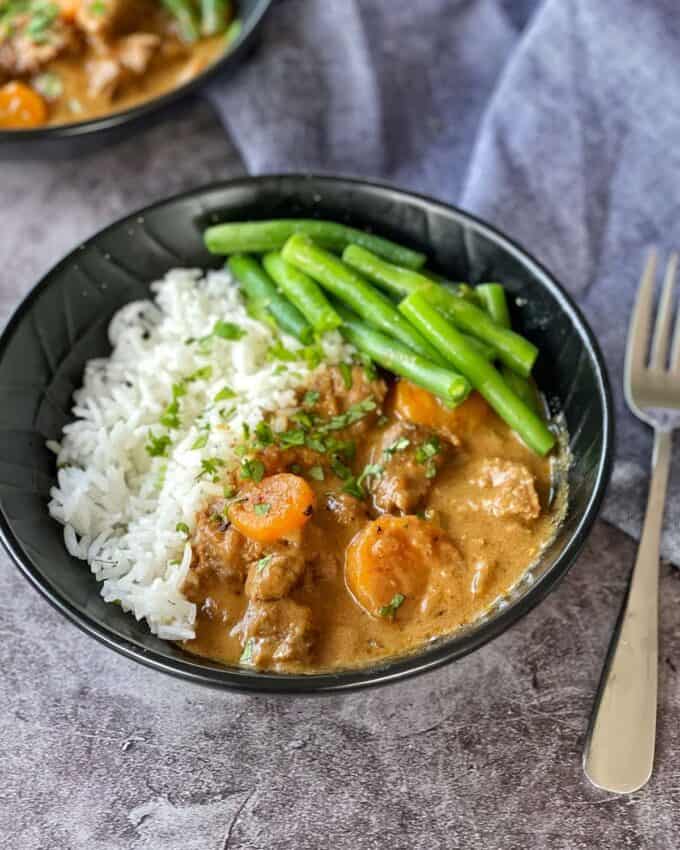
619,752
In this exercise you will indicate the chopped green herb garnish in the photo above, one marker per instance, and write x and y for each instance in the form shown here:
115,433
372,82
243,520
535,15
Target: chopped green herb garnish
264,434
312,355
252,470
209,467
183,528
49,84
311,397
343,472
200,441
262,508
371,470
227,330
224,393
229,492
346,448
263,563
316,472
425,454
397,446
43,15
170,416
427,450
352,488
157,446
346,372
199,375
248,651
294,437
315,443
223,330
278,351
391,609
353,414
303,419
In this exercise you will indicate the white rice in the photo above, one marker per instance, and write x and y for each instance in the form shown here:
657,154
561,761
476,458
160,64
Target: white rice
120,507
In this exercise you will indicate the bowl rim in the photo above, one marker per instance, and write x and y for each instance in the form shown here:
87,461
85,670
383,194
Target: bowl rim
110,121
389,671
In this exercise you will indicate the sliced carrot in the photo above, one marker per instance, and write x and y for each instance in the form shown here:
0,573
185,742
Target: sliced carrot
388,562
21,107
68,9
419,406
277,506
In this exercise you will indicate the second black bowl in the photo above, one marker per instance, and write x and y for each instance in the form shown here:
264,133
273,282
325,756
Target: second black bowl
63,323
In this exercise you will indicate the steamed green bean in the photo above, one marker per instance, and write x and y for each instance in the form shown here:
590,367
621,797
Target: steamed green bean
492,296
262,236
393,279
350,288
215,15
260,288
303,292
512,349
481,374
397,358
187,20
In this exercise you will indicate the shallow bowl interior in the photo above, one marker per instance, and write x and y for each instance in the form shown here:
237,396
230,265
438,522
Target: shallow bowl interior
70,136
63,323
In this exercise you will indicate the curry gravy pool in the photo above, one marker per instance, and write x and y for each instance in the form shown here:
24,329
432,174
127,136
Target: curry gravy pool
452,512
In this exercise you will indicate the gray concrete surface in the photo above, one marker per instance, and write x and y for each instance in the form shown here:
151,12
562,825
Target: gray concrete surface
98,753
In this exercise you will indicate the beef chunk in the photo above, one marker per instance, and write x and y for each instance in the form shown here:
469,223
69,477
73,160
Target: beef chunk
103,77
22,54
410,456
276,459
336,397
277,633
508,490
218,552
346,510
136,51
277,572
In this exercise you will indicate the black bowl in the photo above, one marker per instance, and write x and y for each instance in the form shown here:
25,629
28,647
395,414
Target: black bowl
63,321
77,136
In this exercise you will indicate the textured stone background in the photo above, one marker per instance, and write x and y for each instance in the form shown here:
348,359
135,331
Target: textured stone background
99,753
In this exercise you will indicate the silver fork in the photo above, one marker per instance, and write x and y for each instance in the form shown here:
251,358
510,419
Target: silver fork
619,752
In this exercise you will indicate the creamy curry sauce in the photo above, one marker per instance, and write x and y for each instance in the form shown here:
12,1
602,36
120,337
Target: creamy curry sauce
175,65
462,527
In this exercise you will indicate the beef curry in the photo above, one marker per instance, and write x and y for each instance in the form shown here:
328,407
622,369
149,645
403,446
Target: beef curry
65,61
378,521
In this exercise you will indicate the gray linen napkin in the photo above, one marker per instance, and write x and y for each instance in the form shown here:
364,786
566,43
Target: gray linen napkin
554,120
